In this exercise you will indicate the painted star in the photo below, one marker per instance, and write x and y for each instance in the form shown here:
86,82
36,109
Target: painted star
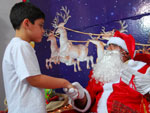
81,17
129,4
86,4
112,13
96,18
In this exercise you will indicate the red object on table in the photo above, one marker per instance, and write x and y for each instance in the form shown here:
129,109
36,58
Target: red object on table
70,111
3,112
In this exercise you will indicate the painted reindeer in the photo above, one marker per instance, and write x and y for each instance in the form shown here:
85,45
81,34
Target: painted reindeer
79,52
55,54
54,51
99,46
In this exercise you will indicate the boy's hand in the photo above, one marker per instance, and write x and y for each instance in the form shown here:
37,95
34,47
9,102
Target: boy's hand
70,86
71,91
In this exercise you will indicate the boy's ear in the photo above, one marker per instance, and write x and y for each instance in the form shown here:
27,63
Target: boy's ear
26,23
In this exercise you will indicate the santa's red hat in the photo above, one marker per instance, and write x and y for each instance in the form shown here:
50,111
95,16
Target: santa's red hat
127,42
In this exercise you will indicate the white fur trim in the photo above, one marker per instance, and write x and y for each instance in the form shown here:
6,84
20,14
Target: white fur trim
132,63
87,105
118,41
102,104
137,64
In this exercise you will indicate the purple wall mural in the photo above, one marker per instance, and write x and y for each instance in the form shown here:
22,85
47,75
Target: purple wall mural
90,16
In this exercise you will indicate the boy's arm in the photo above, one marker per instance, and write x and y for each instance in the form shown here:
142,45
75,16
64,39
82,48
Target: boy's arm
48,82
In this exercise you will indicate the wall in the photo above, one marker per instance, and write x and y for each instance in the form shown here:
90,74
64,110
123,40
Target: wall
6,33
90,16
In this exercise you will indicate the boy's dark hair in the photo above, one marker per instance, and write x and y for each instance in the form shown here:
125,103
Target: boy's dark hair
23,10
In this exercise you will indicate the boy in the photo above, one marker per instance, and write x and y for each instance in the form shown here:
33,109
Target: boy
23,80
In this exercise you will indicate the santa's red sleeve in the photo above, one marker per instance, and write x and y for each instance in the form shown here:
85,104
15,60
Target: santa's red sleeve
95,90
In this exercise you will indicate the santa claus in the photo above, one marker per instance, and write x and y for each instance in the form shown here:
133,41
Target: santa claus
117,82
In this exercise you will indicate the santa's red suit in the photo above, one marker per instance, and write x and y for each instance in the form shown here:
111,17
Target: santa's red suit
117,97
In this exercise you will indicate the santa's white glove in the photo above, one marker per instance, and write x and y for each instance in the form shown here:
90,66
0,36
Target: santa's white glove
72,93
126,75
142,82
80,89
75,93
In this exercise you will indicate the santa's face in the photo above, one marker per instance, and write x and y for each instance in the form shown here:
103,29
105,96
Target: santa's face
124,55
109,67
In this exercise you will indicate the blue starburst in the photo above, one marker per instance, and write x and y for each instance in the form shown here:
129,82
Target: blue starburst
81,17
129,4
134,8
70,35
112,13
96,18
86,4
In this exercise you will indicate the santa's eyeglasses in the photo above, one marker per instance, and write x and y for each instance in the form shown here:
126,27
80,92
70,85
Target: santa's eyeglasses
125,54
122,51
110,46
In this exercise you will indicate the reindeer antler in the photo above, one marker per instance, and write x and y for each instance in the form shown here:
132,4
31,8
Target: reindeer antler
66,15
103,29
55,22
123,26
107,34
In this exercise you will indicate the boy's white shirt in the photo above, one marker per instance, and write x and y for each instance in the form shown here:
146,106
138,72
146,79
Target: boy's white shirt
20,62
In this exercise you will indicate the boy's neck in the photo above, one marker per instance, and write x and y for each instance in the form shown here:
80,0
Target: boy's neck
22,35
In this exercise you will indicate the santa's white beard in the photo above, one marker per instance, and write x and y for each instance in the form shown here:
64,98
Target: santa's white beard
108,68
